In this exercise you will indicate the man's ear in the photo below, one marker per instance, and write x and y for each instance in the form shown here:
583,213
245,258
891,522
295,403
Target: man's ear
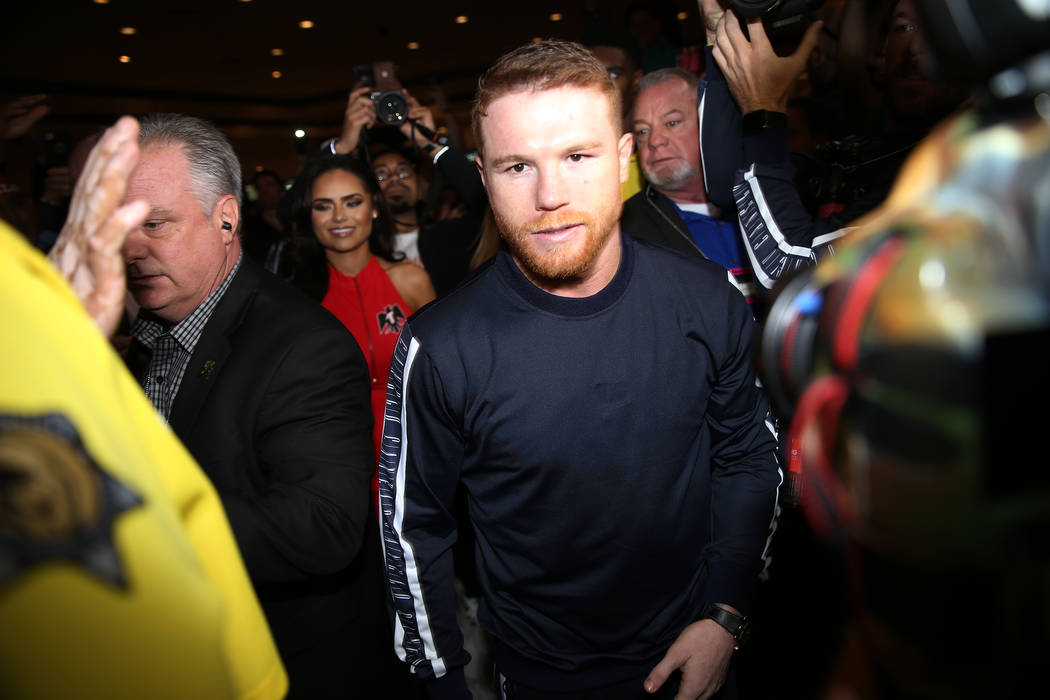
481,169
228,214
624,150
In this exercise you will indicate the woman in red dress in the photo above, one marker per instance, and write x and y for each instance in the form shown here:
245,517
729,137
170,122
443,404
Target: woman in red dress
345,258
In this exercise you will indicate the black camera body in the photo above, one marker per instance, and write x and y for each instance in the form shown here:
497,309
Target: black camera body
391,106
783,20
774,11
386,94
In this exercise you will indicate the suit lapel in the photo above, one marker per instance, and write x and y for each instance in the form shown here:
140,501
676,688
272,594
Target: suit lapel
212,351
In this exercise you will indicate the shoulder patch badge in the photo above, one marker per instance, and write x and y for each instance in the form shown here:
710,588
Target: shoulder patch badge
56,503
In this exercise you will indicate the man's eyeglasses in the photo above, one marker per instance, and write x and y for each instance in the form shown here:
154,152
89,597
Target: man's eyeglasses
401,173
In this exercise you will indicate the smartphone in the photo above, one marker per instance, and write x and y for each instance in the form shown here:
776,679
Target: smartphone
385,77
363,75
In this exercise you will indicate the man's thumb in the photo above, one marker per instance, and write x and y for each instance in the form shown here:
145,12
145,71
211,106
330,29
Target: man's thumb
809,42
660,673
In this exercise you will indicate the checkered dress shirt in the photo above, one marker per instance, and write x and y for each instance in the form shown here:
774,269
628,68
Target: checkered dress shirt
171,347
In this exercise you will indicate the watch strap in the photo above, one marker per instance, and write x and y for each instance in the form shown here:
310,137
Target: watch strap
761,119
738,626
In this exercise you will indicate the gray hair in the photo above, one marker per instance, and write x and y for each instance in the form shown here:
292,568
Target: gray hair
662,75
214,168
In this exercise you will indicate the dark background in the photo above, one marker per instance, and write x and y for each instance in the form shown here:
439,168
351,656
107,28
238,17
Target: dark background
212,59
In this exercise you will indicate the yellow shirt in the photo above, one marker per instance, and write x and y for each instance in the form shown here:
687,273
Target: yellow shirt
119,575
634,182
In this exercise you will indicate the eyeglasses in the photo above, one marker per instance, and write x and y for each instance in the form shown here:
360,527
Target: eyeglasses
401,173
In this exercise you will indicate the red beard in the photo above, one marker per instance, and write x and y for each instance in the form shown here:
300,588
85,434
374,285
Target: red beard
559,261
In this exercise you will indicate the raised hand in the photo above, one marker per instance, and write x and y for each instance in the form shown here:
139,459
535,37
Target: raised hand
360,114
756,75
88,250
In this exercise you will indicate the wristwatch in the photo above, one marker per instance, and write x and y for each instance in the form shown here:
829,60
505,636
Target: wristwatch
762,119
738,626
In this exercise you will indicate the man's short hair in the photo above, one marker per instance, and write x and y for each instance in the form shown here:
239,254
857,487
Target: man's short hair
662,75
215,170
538,66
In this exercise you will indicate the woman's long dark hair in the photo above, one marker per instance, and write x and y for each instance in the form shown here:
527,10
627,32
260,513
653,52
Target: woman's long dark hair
308,265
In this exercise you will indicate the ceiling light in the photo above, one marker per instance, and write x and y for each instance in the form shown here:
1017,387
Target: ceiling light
555,17
101,2
276,52
683,16
413,45
276,74
127,31
306,24
462,19
299,133
124,59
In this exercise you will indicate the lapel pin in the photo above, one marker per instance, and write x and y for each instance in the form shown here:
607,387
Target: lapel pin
208,368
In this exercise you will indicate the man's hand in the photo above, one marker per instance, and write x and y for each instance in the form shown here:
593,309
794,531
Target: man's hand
702,652
756,75
87,252
360,114
711,11
421,114
20,114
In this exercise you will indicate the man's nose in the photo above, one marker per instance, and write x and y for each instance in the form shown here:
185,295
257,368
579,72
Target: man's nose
657,138
551,192
135,247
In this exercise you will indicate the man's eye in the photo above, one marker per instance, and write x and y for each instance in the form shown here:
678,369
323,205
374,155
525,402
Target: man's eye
641,132
576,157
517,168
674,122
152,225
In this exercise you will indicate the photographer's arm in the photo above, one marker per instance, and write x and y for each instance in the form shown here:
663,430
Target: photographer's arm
721,148
360,114
779,233
17,116
462,174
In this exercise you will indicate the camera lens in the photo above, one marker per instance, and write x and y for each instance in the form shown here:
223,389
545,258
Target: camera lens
391,108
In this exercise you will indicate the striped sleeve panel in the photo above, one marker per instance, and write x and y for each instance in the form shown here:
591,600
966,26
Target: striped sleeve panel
772,254
413,633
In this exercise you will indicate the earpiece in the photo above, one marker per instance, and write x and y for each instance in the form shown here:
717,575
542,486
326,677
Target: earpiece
227,226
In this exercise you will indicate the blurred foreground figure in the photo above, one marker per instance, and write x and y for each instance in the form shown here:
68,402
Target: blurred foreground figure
119,575
911,362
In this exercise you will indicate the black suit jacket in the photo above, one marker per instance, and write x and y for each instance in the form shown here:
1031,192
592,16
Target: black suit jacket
651,216
274,405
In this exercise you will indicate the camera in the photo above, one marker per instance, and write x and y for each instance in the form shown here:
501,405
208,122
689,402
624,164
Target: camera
774,12
391,107
782,19
390,102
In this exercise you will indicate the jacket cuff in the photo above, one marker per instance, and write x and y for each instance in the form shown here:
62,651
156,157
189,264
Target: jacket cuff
451,686
768,146
733,585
